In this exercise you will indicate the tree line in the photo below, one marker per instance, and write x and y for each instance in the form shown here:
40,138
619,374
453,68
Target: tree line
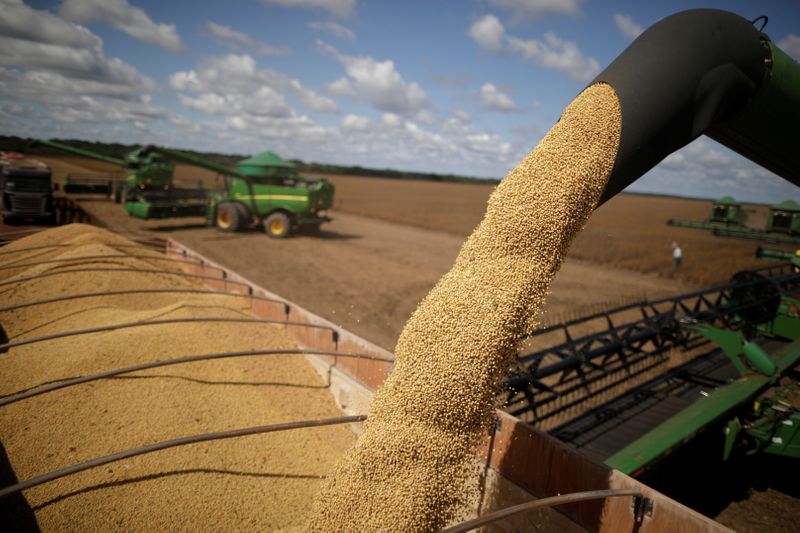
119,151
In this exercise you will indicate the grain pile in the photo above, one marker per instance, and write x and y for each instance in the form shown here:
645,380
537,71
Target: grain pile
410,469
251,483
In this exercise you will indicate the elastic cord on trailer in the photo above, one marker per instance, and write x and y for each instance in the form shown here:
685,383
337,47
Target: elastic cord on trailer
286,307
70,382
543,502
45,246
126,256
125,269
182,441
113,327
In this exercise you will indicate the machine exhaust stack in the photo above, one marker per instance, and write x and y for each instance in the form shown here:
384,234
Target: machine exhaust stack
704,71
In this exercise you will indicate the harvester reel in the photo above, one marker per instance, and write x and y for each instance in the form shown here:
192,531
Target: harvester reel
755,297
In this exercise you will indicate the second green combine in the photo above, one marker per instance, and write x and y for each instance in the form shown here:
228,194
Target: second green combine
262,190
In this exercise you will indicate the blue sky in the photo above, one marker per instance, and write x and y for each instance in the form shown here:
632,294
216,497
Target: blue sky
465,87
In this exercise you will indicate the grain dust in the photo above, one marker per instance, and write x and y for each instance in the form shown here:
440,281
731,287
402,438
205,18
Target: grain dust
410,469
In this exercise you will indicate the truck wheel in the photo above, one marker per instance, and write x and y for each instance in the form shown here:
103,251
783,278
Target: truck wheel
278,225
229,217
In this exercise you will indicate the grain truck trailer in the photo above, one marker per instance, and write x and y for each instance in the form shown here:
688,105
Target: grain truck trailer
27,191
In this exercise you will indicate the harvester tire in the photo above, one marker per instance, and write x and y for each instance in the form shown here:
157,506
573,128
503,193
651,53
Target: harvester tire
229,217
278,225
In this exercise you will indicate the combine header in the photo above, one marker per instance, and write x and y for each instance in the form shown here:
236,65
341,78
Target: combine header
774,254
672,368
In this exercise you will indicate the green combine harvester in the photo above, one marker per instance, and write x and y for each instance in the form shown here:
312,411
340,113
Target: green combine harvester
728,219
651,377
725,212
262,190
783,226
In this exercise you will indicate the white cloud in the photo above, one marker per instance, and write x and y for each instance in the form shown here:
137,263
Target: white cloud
355,123
236,41
43,86
425,116
342,87
791,45
557,54
707,169
19,21
62,57
461,115
495,99
334,28
238,79
528,9
68,100
379,82
391,120
551,52
125,17
339,8
627,26
264,102
488,32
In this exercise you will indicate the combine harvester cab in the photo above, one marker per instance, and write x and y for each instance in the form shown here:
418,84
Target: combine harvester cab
785,218
727,211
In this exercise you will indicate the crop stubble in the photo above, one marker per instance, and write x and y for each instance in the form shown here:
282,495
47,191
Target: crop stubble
410,469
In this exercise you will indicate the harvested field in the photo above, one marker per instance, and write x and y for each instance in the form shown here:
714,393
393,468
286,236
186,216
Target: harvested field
214,485
629,232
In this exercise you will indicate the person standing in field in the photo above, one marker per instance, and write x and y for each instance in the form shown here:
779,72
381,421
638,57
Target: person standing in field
677,255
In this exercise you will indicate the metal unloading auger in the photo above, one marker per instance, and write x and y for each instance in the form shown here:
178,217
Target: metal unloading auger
704,71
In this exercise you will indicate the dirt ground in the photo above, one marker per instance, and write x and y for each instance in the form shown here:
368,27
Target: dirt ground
391,240
628,232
